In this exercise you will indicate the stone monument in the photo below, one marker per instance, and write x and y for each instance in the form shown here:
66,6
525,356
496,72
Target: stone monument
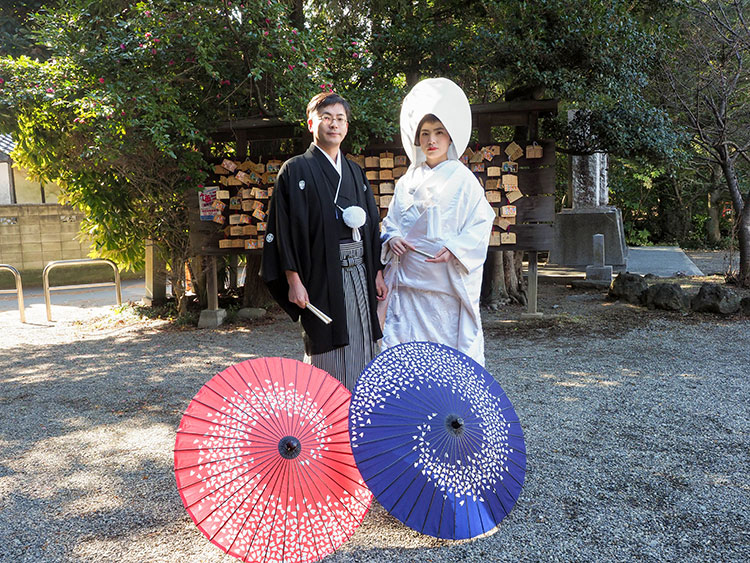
589,215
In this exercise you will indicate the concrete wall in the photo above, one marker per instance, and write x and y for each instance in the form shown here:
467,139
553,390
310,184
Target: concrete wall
5,171
33,234
30,191
26,190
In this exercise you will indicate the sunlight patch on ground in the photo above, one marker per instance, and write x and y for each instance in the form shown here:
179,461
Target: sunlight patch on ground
125,442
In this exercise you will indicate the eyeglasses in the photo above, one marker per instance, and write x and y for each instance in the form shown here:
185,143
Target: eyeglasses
328,119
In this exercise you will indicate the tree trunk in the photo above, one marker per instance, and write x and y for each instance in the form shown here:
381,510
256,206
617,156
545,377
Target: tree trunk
177,279
714,213
198,275
514,275
742,212
494,291
255,293
743,242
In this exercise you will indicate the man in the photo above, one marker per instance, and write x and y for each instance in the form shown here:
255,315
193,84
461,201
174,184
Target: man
323,247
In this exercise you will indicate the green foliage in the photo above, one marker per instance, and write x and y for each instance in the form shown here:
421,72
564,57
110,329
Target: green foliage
121,113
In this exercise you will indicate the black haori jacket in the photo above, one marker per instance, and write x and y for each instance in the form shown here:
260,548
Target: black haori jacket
303,235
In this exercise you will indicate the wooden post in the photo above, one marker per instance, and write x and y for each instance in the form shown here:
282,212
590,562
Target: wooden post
213,316
533,275
212,287
156,283
532,279
234,261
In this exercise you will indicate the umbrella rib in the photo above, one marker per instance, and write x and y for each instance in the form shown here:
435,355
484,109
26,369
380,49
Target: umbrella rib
322,407
333,412
260,419
275,469
201,435
287,480
256,467
272,417
244,424
282,467
209,462
247,516
394,480
213,409
214,422
310,483
321,463
416,500
361,461
252,415
324,474
301,478
308,431
427,512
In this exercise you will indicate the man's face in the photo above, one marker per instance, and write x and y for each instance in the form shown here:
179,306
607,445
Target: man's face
329,126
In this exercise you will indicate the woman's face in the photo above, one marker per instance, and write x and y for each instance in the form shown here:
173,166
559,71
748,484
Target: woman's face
434,141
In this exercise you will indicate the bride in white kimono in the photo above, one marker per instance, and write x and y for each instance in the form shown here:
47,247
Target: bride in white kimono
437,228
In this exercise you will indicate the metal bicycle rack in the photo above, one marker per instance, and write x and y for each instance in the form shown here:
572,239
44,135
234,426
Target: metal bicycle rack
18,291
57,263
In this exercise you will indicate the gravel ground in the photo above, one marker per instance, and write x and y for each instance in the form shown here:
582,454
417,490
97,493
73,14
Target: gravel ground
636,425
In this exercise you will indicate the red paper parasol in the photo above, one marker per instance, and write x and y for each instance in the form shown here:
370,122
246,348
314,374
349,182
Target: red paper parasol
263,462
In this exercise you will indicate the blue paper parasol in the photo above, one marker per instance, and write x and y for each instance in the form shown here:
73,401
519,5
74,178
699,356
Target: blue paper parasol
437,440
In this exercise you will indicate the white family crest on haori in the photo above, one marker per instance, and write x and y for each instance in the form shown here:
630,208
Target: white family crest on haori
263,464
437,440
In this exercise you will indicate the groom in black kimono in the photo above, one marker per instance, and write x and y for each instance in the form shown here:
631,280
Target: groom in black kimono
308,246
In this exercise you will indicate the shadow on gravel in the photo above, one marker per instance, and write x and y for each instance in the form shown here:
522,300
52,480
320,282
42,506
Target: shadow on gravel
636,439
87,431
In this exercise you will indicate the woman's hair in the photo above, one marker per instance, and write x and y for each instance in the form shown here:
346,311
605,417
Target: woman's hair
429,118
325,99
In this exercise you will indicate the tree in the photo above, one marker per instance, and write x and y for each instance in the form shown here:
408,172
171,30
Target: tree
120,113
587,53
708,88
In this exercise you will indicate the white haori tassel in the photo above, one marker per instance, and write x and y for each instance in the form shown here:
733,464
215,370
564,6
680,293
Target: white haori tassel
433,223
354,217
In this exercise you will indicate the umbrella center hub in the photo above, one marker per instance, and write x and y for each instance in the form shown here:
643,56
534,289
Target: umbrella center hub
289,447
454,424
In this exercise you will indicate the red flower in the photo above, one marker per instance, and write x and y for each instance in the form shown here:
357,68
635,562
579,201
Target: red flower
101,80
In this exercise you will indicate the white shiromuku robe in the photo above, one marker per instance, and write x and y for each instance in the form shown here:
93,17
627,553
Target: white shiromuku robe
438,302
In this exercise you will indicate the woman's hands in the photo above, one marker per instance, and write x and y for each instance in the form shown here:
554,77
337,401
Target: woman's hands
399,246
443,255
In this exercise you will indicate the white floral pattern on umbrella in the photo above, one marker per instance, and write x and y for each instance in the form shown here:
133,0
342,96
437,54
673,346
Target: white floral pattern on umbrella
263,463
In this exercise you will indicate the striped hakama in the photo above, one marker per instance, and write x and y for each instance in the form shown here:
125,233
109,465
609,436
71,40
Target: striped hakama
347,362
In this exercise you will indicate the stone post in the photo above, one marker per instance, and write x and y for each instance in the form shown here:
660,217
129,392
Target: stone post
598,271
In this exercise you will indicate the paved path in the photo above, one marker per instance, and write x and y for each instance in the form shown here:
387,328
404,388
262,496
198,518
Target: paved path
66,304
662,261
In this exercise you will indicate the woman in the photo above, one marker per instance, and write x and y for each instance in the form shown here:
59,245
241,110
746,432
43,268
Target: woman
437,228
